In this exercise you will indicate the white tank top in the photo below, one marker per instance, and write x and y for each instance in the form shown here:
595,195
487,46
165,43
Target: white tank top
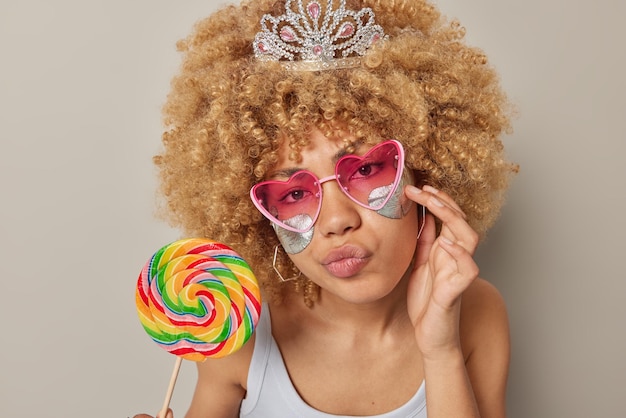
271,394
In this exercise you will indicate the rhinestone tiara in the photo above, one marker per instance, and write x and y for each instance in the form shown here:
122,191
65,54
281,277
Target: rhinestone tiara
310,39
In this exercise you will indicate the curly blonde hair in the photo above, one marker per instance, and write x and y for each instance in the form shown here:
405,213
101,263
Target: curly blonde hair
228,113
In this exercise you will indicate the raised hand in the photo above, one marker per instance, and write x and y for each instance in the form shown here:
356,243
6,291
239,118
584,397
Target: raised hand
443,269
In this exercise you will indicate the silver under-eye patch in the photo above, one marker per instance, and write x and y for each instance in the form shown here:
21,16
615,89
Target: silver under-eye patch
379,194
398,205
295,242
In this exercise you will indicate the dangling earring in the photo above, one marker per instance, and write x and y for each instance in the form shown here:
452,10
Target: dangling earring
421,225
278,272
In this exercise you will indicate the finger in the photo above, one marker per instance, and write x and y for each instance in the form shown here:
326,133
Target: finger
454,226
168,414
445,198
466,266
432,195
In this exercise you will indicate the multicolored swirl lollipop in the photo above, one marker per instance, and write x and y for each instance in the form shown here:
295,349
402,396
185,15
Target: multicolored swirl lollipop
197,299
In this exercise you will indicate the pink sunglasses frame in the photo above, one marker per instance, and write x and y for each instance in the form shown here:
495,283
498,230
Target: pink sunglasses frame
319,182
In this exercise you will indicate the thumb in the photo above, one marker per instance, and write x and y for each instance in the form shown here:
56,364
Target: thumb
168,414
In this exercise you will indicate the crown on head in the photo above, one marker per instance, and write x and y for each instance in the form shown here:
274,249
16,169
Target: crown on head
309,38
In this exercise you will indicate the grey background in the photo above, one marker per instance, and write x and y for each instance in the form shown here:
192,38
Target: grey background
81,86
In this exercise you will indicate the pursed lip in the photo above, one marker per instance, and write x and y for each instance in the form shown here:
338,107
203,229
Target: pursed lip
346,261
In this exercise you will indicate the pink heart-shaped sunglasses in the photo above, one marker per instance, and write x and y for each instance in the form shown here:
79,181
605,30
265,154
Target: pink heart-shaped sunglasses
369,180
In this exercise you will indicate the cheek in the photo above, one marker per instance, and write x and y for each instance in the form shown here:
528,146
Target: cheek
293,242
403,233
397,241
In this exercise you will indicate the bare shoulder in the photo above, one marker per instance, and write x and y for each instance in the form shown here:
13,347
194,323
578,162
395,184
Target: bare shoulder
485,339
221,384
482,304
484,320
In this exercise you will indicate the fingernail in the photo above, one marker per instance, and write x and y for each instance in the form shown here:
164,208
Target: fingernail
431,189
416,189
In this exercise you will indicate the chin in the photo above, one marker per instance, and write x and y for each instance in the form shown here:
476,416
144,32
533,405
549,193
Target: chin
360,291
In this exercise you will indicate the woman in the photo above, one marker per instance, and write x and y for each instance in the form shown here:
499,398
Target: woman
350,151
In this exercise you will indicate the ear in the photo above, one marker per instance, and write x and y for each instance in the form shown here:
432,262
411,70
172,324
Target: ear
425,240
421,220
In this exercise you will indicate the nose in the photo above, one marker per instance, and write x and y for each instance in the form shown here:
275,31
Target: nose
338,213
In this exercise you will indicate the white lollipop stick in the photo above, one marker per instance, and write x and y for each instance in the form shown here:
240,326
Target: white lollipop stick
170,389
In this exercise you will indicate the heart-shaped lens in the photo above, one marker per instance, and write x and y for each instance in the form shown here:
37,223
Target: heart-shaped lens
292,204
370,180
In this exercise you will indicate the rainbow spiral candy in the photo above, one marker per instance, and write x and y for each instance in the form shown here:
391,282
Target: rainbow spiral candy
198,298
